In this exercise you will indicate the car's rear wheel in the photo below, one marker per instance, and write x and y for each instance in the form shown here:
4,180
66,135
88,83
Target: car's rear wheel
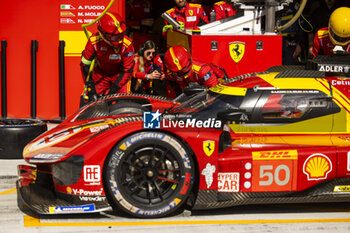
149,174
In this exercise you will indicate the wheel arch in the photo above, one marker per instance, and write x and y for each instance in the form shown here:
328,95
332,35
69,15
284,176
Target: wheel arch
191,199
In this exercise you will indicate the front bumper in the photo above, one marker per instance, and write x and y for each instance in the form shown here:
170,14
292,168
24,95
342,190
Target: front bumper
36,190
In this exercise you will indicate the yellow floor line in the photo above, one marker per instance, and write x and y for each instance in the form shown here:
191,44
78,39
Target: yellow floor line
8,191
30,221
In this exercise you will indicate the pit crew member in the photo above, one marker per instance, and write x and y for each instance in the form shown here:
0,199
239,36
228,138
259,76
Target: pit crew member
182,70
113,52
223,9
336,34
189,15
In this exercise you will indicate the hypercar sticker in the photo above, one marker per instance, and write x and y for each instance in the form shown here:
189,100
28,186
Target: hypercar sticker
208,172
228,182
317,166
208,147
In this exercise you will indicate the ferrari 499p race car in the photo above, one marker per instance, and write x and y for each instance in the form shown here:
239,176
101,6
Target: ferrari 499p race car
279,136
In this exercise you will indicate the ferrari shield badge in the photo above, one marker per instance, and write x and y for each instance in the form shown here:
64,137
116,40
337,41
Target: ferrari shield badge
190,12
208,147
237,50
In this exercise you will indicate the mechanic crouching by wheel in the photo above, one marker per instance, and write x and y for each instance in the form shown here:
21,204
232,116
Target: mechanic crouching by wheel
113,52
182,70
337,34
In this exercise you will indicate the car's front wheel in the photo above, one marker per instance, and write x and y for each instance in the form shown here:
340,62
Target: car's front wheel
149,174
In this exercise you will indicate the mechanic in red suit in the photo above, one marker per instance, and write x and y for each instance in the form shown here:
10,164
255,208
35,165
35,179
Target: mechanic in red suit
189,15
223,9
336,34
113,52
182,70
148,67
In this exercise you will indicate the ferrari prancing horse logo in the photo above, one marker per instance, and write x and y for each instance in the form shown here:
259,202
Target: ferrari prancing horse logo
208,147
237,50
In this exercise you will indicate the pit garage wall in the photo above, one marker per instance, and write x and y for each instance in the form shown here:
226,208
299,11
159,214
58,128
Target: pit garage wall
46,21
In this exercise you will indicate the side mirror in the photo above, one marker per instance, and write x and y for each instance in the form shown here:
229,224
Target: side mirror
236,115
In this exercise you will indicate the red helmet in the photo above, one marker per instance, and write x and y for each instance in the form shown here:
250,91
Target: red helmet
112,28
178,61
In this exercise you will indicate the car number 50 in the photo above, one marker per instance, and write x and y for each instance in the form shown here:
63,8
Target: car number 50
267,171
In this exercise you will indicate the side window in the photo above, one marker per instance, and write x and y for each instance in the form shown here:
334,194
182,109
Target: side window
293,105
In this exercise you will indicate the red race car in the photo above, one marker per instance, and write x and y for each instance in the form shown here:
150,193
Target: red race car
280,136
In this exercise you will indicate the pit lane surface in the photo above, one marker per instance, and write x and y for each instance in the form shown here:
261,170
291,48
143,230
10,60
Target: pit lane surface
332,217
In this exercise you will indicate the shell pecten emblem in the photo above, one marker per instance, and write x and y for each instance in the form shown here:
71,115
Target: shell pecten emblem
317,167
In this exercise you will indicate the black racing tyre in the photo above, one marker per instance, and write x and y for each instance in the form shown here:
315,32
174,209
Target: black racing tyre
148,175
123,107
15,134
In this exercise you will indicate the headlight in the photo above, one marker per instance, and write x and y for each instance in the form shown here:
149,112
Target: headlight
46,157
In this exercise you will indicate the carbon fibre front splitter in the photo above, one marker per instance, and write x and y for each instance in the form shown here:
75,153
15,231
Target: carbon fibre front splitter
44,200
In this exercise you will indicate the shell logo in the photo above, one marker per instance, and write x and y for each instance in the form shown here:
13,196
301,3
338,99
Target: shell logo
317,167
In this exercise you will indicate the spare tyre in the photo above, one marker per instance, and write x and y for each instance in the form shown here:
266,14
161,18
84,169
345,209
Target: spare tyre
15,134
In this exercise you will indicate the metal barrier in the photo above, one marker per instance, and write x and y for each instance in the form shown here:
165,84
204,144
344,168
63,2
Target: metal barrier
3,78
62,83
34,50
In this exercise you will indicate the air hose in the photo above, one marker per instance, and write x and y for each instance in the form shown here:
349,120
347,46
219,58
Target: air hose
295,17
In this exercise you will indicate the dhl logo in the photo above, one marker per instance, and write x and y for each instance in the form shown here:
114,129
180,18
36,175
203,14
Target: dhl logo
275,155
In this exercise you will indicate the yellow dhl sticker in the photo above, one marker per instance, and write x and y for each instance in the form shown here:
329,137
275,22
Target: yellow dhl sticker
342,188
275,155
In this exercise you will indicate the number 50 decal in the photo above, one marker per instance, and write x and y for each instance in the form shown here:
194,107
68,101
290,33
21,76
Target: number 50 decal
272,176
267,171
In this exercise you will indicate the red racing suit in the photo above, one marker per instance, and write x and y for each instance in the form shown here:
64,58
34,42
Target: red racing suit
113,66
191,15
149,67
323,44
223,10
202,73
